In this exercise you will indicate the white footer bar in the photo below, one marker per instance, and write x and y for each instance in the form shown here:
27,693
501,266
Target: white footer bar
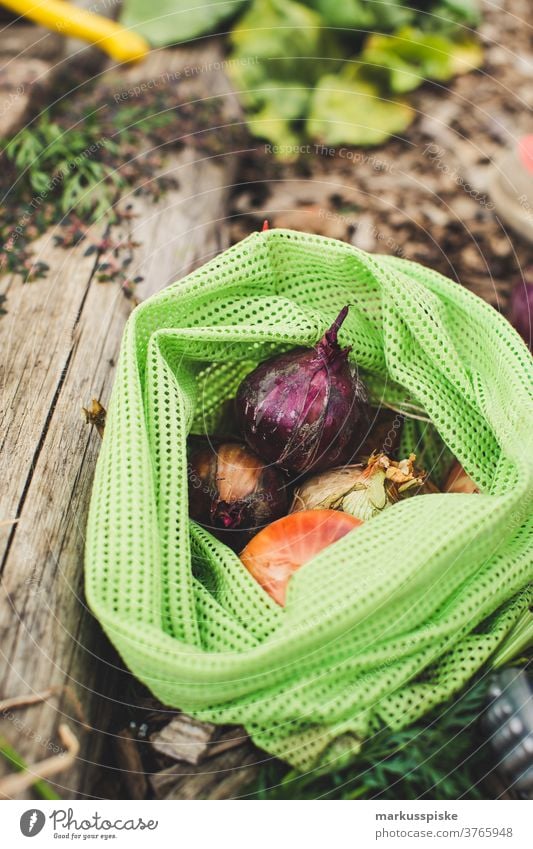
268,825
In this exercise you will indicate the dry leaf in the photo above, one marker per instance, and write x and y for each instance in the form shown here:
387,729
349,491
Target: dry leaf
95,415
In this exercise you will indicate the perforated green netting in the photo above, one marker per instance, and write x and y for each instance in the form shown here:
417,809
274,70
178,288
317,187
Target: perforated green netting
393,618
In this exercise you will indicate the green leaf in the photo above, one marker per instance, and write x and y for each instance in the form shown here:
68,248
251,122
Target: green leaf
277,119
39,181
72,193
425,53
389,69
447,13
344,112
361,14
421,55
42,788
283,40
24,149
280,50
408,58
172,21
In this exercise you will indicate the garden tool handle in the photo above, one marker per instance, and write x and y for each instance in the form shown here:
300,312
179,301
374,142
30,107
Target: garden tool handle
114,39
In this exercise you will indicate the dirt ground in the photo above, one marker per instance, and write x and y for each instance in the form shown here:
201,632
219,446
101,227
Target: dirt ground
425,197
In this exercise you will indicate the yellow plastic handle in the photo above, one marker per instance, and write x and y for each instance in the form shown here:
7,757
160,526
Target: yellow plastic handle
118,42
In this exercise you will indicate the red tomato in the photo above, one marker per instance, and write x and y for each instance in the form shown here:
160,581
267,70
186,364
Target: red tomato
283,546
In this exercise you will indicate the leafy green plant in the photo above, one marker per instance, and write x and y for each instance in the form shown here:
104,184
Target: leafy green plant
66,163
170,21
345,111
344,97
410,56
70,165
334,72
78,166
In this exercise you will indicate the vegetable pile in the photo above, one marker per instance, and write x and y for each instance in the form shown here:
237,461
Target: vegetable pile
393,618
301,413
335,73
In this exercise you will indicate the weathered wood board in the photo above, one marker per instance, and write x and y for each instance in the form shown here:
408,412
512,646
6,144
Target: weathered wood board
59,342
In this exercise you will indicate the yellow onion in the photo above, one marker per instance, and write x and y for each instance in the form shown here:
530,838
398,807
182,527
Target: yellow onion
459,481
232,492
362,490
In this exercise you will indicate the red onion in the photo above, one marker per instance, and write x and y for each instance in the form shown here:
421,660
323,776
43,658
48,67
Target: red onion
232,493
304,409
522,311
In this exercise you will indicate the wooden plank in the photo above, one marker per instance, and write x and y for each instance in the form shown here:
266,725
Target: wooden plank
30,62
227,775
25,40
21,80
36,345
183,739
64,340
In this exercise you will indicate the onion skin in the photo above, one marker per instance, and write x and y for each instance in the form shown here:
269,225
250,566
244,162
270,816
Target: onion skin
305,409
232,493
459,481
522,311
279,550
331,490
365,489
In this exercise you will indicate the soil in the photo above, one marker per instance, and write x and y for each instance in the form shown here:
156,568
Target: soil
426,196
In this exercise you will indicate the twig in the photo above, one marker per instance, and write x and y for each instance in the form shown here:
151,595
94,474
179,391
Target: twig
26,700
6,522
413,406
30,699
13,785
405,414
42,788
74,702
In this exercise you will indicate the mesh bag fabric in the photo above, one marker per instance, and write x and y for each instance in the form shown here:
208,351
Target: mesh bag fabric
394,618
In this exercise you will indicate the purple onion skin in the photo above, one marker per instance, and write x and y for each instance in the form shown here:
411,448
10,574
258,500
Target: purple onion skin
232,493
522,311
305,409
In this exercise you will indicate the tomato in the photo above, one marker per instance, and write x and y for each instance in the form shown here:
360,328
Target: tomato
283,546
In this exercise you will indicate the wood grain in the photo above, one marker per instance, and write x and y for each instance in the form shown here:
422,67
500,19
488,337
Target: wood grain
227,775
62,337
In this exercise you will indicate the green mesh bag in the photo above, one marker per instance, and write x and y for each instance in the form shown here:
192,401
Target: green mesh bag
395,617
